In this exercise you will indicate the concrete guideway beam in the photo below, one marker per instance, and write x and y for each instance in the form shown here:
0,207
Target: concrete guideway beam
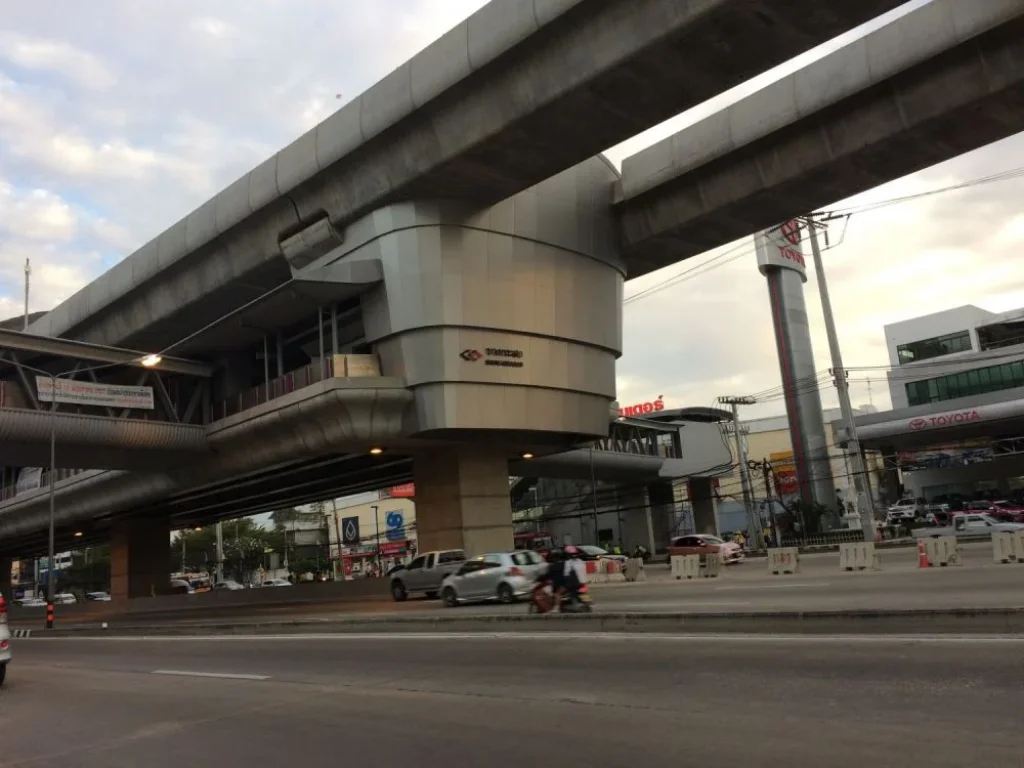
943,80
516,93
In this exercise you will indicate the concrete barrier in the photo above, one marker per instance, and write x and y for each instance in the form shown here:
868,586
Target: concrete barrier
634,570
885,623
685,566
783,560
1003,550
859,556
316,592
943,551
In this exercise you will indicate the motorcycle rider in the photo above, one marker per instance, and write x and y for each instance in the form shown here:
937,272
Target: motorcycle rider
574,571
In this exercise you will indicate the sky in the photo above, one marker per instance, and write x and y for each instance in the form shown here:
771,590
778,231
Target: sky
118,117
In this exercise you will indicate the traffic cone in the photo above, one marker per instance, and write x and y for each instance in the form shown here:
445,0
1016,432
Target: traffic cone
922,556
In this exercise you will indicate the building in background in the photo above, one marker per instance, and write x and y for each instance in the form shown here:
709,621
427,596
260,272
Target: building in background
954,354
368,527
768,439
956,430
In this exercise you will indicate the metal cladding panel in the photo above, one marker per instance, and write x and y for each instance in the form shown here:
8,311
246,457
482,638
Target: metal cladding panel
799,379
30,426
526,294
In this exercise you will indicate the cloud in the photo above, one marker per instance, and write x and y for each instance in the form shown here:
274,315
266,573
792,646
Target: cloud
58,57
110,133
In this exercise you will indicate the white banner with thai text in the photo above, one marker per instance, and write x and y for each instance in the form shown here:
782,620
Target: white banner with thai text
88,393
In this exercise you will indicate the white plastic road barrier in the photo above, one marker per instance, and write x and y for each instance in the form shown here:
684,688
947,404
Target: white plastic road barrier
612,571
685,566
712,565
1018,545
943,550
634,570
783,560
859,556
1002,547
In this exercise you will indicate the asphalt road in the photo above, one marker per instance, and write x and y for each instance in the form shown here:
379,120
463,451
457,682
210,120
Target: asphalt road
820,585
459,701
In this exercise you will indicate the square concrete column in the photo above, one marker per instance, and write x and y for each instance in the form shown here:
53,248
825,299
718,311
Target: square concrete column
661,496
140,558
635,513
462,502
5,577
702,501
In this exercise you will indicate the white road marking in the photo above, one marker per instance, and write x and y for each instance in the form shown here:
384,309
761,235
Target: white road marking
216,675
679,605
539,636
802,584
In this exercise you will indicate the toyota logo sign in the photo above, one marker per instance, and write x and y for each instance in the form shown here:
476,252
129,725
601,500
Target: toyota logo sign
918,424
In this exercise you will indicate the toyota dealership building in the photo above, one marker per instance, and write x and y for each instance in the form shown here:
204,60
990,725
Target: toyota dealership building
957,424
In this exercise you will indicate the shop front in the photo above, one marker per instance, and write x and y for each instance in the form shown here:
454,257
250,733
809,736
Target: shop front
361,560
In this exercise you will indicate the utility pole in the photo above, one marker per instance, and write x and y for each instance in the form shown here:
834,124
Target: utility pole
865,504
766,470
753,520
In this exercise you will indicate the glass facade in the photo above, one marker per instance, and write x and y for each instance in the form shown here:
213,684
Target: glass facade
954,385
938,346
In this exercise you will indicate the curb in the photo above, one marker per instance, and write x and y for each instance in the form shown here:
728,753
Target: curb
966,621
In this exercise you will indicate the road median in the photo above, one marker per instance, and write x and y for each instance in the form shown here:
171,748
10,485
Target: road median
962,621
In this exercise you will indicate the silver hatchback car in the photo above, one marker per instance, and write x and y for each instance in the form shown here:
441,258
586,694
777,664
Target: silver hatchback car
503,576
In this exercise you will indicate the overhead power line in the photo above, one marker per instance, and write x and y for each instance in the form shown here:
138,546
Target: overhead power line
730,255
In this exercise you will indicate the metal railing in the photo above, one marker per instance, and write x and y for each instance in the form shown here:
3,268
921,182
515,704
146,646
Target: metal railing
273,389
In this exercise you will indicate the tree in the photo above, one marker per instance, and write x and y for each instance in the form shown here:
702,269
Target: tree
245,543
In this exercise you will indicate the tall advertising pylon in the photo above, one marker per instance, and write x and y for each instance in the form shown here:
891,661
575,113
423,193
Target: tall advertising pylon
780,258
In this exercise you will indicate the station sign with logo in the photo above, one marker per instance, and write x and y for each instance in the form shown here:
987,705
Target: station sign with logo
500,357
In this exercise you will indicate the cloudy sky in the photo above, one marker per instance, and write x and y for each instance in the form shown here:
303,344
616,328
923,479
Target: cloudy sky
118,117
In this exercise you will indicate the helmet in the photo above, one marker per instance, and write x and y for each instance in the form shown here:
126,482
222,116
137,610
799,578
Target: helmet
571,551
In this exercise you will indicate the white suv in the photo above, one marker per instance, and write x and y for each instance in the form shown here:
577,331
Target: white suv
5,640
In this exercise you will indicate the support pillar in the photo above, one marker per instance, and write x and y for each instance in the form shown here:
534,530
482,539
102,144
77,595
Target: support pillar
6,565
140,558
462,502
663,504
637,526
702,501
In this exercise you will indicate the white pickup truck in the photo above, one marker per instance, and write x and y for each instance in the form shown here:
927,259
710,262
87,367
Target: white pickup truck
423,576
966,525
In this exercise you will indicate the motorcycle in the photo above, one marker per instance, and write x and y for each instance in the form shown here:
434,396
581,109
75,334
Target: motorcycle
542,600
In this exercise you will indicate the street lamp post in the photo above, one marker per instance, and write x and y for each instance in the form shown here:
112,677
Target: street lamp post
149,361
53,502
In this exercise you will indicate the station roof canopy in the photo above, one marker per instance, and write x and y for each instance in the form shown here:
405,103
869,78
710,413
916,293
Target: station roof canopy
51,346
